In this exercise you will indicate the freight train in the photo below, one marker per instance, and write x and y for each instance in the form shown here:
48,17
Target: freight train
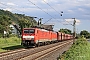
38,36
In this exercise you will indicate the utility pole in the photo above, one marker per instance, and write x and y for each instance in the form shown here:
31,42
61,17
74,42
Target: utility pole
74,29
40,22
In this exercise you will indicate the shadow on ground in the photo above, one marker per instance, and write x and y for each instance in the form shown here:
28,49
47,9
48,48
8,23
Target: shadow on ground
13,47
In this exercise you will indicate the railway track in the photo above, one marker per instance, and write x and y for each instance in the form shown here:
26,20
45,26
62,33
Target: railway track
43,53
11,52
33,53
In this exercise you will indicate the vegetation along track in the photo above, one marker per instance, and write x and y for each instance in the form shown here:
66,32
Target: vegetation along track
32,53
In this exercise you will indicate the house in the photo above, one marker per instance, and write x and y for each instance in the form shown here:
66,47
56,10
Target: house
14,30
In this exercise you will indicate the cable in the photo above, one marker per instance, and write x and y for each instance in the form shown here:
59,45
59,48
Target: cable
52,7
44,12
11,7
41,9
47,21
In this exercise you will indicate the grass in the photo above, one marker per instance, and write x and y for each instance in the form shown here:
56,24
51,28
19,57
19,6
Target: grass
80,50
9,44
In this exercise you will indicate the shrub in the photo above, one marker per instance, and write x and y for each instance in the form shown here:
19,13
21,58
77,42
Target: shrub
77,50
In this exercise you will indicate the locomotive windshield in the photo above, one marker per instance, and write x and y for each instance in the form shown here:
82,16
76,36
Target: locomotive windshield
29,31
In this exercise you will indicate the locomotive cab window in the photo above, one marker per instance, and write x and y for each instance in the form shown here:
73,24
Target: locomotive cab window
26,31
29,31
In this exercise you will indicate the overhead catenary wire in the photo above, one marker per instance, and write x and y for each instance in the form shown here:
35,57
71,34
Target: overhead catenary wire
40,9
53,8
47,21
44,12
11,7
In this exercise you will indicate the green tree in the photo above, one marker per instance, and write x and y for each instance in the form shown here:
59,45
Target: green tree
5,21
85,33
67,31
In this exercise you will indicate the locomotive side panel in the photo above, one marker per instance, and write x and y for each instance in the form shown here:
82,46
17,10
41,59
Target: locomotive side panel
53,36
43,35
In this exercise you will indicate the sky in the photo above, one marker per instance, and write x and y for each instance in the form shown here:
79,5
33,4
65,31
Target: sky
51,10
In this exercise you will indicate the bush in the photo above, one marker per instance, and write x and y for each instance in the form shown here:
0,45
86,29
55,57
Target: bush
77,50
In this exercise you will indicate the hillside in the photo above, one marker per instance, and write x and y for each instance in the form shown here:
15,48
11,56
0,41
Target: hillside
7,18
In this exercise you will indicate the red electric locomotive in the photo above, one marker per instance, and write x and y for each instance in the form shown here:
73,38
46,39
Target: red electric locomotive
35,36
